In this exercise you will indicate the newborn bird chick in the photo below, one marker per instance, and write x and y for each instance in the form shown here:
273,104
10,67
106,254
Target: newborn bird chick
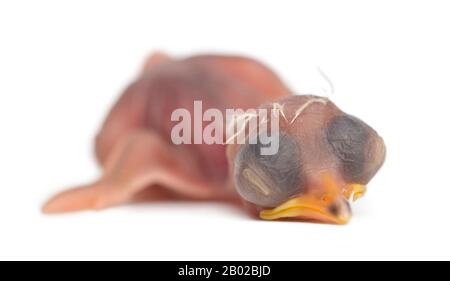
325,156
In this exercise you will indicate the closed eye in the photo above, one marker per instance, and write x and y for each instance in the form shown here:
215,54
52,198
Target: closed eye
268,180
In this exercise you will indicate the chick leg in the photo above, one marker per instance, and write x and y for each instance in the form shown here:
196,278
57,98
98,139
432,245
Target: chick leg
155,59
141,160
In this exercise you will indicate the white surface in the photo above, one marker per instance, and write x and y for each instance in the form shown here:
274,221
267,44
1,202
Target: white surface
62,66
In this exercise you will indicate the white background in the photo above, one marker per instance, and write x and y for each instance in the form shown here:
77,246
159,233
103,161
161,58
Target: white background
62,65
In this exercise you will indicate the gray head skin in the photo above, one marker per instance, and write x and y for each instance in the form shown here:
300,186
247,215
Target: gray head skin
325,158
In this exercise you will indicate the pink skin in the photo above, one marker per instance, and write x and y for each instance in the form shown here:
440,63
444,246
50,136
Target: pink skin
134,149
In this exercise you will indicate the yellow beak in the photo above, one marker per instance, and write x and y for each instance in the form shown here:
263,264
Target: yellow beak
301,208
332,207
